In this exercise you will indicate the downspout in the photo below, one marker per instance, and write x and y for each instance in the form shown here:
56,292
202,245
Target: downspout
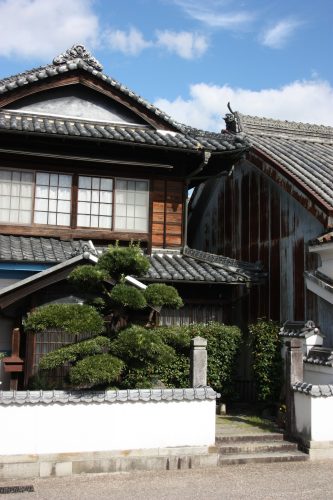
206,157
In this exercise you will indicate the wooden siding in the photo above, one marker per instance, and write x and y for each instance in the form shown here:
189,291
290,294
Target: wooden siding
167,213
259,221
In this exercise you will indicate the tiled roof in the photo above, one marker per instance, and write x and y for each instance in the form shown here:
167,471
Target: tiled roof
115,396
188,266
200,267
79,59
298,329
320,356
304,151
30,123
317,391
42,250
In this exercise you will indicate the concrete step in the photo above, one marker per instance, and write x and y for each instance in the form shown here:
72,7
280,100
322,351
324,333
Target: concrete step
269,457
256,447
232,438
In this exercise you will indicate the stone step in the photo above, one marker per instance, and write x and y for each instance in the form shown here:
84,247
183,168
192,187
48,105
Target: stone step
268,436
256,447
270,457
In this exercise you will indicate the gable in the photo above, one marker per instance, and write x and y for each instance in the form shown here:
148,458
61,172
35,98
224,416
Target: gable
76,101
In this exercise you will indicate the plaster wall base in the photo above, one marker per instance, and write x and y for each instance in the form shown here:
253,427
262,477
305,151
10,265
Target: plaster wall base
67,464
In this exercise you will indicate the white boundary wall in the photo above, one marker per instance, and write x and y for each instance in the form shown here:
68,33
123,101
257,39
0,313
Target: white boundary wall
182,417
313,418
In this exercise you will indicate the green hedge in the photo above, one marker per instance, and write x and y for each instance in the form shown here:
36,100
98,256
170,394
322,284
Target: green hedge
267,360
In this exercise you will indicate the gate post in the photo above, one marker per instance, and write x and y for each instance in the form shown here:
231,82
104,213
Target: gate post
294,373
198,362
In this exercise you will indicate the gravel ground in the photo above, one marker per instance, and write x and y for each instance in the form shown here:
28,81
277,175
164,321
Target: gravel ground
307,480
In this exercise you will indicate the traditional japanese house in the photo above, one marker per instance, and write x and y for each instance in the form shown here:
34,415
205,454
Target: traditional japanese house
85,162
272,207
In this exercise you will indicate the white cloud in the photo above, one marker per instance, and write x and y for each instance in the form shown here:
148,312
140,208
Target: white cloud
308,101
184,43
278,35
214,13
130,43
41,28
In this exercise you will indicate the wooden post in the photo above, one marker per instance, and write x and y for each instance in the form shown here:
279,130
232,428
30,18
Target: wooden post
14,364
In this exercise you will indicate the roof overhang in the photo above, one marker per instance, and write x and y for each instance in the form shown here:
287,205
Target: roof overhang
11,294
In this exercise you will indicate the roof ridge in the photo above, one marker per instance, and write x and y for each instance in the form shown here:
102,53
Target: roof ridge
286,126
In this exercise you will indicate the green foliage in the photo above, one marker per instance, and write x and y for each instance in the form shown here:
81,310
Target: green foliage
88,279
122,261
70,318
267,360
159,294
73,352
138,346
223,342
95,370
128,296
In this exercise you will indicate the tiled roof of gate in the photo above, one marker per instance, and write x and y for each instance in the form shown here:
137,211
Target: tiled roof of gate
304,151
319,355
298,329
41,250
188,266
79,59
316,391
113,396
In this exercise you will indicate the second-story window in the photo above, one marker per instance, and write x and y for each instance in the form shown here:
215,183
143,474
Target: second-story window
131,205
16,190
53,199
94,208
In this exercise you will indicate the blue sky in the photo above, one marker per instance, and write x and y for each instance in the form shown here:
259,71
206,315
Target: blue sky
270,58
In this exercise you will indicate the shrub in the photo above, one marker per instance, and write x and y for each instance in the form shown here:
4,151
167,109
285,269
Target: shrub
159,294
223,342
74,352
95,370
138,346
88,279
267,360
121,261
128,296
71,318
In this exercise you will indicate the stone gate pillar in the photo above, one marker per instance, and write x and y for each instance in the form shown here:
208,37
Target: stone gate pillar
294,373
198,362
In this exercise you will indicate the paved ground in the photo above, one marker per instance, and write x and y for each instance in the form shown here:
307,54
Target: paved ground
233,482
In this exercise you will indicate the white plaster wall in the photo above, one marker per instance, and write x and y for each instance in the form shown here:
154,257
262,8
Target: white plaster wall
80,427
318,375
322,419
314,417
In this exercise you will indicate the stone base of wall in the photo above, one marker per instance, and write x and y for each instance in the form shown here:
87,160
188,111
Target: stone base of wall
317,450
66,464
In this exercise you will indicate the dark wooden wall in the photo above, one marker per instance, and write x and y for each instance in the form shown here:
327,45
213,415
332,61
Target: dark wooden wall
248,216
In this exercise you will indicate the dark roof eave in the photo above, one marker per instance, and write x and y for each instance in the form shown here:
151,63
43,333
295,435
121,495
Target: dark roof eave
97,140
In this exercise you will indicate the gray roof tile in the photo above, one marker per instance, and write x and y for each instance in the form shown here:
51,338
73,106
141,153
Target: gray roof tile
298,329
316,391
115,396
319,355
305,151
78,58
191,266
194,266
41,250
